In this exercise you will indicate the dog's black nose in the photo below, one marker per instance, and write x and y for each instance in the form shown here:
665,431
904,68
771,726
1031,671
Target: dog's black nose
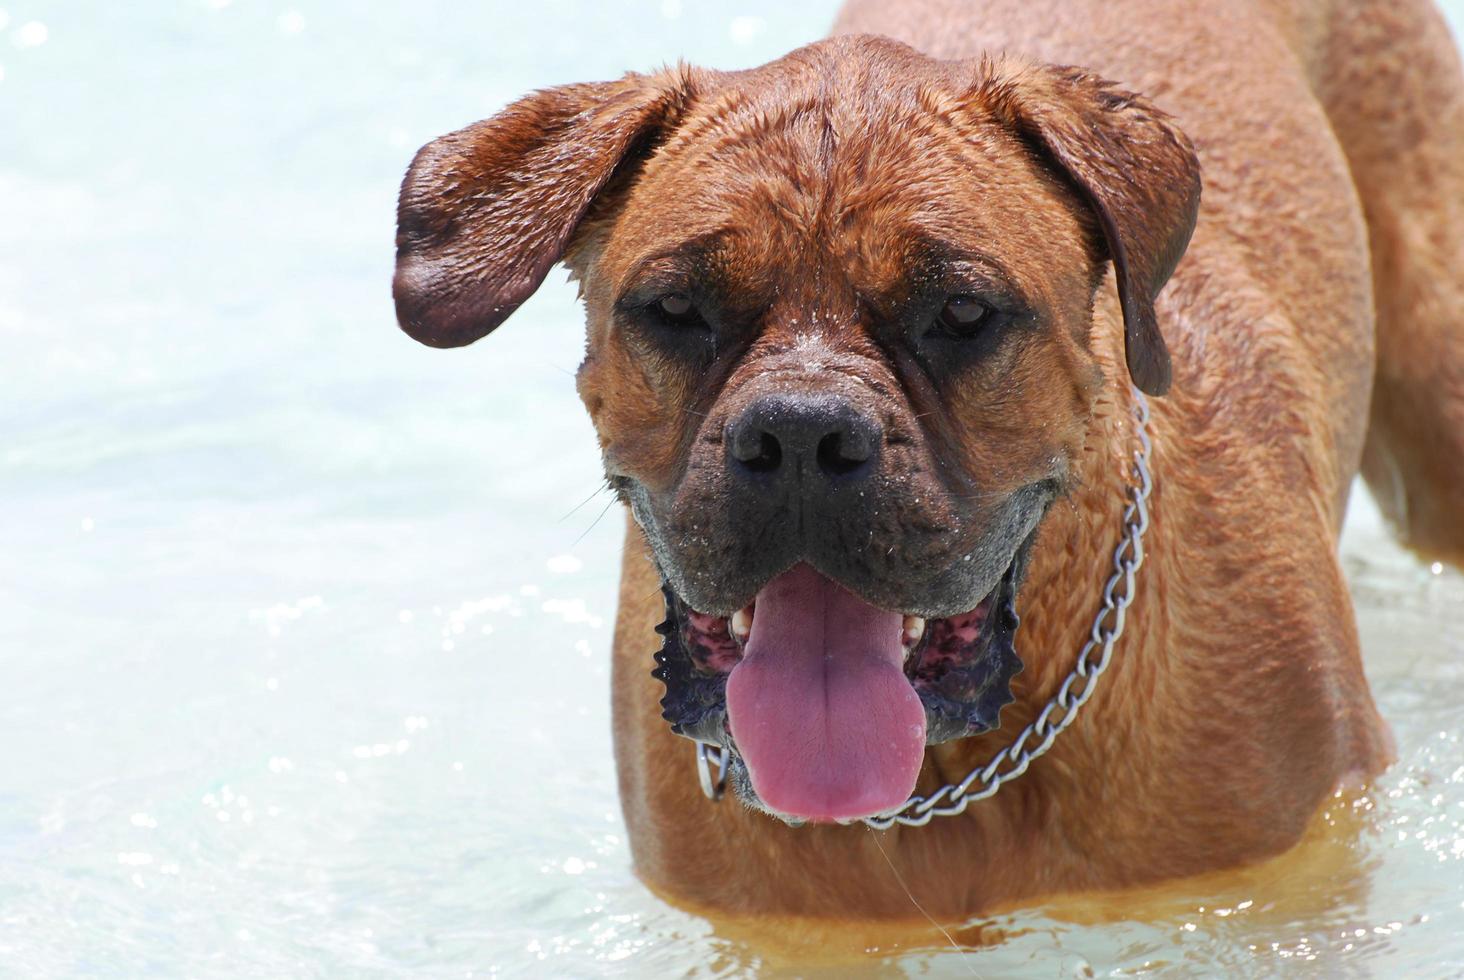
808,442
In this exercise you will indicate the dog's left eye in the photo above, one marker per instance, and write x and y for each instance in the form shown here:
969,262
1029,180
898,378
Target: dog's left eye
677,308
964,316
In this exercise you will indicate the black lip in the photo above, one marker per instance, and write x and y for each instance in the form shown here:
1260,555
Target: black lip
967,700
695,702
962,702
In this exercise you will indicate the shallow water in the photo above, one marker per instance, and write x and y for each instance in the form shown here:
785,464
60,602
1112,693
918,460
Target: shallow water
304,628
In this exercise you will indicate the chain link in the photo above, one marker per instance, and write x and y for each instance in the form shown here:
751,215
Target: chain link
706,757
1058,713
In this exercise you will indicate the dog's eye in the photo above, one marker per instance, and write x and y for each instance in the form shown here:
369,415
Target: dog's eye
677,308
964,316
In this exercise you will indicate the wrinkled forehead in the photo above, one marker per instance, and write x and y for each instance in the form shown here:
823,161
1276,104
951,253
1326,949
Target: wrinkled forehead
853,174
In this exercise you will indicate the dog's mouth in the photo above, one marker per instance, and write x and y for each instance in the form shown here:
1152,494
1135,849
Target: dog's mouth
826,702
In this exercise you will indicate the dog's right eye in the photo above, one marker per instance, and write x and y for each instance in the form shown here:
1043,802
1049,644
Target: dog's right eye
964,316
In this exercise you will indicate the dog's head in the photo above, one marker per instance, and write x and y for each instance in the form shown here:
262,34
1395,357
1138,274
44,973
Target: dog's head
840,358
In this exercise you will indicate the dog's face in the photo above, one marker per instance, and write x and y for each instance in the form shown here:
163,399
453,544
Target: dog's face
839,360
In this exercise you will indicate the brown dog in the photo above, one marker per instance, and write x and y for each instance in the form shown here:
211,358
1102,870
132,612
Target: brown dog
862,328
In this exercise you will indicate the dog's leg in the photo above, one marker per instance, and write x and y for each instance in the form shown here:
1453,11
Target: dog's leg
1390,80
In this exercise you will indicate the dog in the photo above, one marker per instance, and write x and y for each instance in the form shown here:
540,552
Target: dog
926,330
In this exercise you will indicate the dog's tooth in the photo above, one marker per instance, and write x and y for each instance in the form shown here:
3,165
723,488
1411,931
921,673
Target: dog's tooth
741,623
913,630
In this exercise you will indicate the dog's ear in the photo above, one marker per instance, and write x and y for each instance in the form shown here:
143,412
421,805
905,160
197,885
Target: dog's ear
486,211
1137,171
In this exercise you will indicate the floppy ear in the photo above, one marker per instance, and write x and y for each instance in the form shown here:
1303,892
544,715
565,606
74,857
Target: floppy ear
1137,171
486,211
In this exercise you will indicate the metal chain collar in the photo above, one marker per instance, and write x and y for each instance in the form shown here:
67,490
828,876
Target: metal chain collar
1058,713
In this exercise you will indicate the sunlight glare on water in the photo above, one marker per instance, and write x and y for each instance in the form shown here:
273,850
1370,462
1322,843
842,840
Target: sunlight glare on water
304,628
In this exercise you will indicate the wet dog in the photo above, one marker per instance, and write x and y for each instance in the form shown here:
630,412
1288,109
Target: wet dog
869,331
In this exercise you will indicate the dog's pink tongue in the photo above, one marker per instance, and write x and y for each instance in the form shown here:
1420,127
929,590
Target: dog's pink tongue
819,705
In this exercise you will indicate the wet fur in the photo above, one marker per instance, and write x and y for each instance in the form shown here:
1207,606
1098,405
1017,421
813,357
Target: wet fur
1328,249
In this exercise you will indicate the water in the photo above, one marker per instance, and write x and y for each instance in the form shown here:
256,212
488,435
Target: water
304,628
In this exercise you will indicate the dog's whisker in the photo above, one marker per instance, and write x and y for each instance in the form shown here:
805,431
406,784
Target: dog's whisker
596,521
604,485
965,956
985,495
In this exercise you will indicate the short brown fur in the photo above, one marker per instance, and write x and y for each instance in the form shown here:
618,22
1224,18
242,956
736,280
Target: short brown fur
1328,249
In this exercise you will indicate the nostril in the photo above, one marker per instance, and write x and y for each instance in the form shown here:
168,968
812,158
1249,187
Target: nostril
768,456
755,448
842,453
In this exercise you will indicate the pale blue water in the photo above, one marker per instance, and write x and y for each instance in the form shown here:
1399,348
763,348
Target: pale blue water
304,627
